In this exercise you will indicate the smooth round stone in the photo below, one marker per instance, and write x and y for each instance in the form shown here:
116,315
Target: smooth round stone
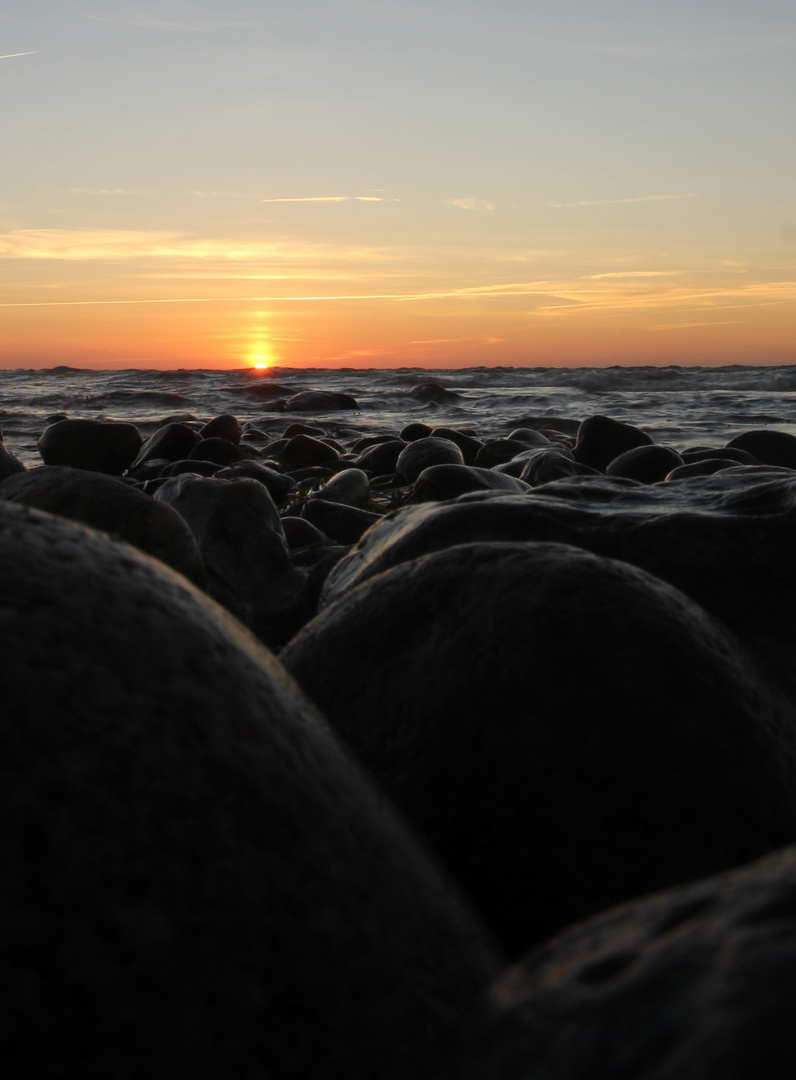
450,481
313,430
277,483
226,426
381,458
557,463
497,451
301,533
172,441
190,465
423,453
703,467
302,451
198,881
345,524
601,439
648,464
350,487
415,430
239,533
105,446
105,503
769,447
468,444
698,982
529,436
731,455
220,450
567,731
434,393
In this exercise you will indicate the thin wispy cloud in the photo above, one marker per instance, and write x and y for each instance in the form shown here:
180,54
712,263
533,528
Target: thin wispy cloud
11,55
327,199
471,204
635,274
617,202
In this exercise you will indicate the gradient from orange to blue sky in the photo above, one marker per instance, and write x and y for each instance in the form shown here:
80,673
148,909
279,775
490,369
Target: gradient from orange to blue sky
390,182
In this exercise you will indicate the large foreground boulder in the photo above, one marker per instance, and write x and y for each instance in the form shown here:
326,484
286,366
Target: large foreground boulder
108,504
727,541
566,730
197,881
698,983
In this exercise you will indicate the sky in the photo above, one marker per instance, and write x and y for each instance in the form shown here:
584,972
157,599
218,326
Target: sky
385,183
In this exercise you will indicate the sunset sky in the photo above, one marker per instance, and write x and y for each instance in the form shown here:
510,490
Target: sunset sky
186,183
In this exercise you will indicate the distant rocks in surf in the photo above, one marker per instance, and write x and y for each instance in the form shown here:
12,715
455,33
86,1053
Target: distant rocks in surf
563,649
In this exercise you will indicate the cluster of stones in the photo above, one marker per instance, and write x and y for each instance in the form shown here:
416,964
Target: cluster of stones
521,683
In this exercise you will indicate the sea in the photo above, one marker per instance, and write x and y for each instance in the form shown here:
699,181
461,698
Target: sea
676,406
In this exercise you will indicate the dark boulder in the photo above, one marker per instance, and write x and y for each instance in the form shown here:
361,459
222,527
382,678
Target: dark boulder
567,731
698,982
277,483
555,463
647,464
105,446
449,481
725,540
382,457
9,463
497,451
248,565
302,451
221,451
172,441
350,487
769,447
225,426
468,444
198,881
105,503
423,453
415,430
601,439
345,524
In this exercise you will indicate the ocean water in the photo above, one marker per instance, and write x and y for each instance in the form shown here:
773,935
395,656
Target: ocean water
678,406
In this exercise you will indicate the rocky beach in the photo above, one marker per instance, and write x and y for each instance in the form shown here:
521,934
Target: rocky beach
453,742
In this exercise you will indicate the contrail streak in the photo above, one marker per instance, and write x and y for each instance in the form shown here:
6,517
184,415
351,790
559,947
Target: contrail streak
8,56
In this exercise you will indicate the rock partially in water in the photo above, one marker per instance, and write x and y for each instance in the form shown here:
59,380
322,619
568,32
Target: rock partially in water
113,507
319,401
198,881
601,439
698,982
769,447
567,731
106,446
9,463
